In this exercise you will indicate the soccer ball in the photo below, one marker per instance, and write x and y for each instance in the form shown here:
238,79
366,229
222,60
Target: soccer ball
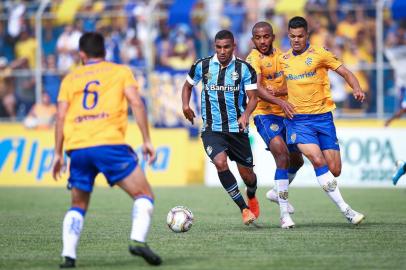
179,219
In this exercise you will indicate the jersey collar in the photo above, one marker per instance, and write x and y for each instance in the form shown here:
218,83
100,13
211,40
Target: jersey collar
216,60
307,47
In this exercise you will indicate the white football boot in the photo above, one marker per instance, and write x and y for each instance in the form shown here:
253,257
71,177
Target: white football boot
353,216
287,222
273,197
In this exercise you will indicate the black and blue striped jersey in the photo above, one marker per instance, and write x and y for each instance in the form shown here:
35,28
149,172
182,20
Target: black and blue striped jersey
223,91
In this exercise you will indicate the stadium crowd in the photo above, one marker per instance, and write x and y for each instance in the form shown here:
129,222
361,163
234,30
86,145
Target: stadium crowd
181,32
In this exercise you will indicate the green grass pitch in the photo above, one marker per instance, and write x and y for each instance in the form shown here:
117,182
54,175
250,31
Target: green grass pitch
31,218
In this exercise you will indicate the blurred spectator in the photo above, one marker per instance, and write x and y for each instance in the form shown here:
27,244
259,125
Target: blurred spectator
67,45
16,19
354,60
66,11
131,50
7,99
182,57
349,27
49,37
51,78
235,11
42,115
26,47
24,85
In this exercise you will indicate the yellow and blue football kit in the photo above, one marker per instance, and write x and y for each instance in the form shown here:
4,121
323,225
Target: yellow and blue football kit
268,118
96,122
308,85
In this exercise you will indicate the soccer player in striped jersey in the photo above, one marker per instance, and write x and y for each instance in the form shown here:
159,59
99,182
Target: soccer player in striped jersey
91,125
312,129
227,84
268,117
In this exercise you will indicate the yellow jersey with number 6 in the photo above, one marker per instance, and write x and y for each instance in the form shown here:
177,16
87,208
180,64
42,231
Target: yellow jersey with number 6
307,79
97,113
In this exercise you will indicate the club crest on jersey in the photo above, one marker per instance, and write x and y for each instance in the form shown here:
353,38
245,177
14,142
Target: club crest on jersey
207,76
209,150
286,56
308,61
268,65
274,127
234,76
293,137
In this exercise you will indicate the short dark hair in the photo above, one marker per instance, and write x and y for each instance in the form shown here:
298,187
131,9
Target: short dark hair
92,44
224,34
298,22
261,25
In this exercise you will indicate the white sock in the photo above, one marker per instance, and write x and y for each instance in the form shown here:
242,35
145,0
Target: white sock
282,191
72,227
329,185
291,176
142,214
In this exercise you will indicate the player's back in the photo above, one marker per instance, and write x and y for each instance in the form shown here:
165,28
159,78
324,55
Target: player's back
97,113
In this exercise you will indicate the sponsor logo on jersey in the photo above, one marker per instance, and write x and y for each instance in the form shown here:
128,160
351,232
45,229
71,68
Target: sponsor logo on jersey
225,88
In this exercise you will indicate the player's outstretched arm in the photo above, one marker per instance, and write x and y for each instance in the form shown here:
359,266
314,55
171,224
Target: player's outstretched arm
350,78
138,109
186,94
59,163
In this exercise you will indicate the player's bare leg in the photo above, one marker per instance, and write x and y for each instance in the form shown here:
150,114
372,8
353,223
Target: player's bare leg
137,186
328,182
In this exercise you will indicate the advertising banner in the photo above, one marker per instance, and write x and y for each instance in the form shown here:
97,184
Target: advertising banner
368,159
26,156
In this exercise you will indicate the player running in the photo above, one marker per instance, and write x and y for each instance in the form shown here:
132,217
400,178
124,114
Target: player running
312,129
268,118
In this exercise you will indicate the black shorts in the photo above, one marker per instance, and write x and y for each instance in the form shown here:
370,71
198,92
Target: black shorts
236,145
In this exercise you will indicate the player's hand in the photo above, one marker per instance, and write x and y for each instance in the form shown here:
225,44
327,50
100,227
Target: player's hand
359,95
189,113
59,167
148,152
271,90
243,122
287,108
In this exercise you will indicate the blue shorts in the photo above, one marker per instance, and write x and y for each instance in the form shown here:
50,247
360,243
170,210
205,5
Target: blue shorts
115,161
269,126
312,128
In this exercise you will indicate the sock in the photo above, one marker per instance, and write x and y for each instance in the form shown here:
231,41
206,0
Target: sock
329,185
251,189
229,183
141,218
71,229
282,186
292,174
